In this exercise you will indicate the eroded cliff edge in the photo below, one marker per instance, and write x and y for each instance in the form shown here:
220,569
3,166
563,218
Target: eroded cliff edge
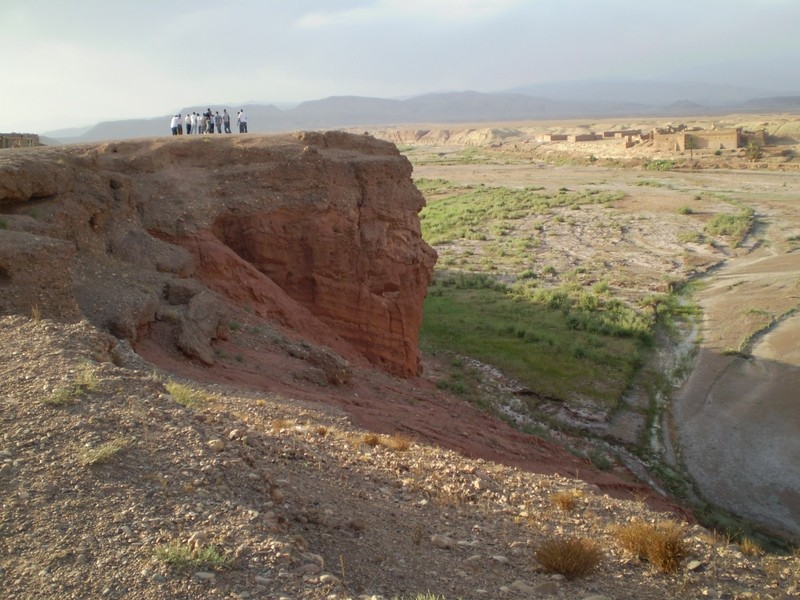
318,232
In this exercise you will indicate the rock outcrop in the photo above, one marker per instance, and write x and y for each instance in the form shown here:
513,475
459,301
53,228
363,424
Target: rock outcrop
318,232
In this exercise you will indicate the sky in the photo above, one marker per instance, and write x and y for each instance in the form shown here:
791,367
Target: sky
78,62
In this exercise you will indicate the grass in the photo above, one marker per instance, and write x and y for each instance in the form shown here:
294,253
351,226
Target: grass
186,395
85,381
733,226
61,396
563,342
479,213
102,453
690,237
661,544
572,557
541,327
199,557
600,459
466,156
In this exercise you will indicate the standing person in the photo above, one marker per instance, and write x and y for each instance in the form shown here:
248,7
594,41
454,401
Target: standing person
194,122
187,123
242,121
173,125
226,120
180,125
203,123
218,121
210,121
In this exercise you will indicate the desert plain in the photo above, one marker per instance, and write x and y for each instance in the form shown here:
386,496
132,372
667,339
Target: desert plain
732,420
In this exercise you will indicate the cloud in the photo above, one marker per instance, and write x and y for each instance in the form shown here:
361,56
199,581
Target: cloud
440,11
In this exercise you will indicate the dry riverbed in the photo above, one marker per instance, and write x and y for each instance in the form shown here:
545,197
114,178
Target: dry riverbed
734,423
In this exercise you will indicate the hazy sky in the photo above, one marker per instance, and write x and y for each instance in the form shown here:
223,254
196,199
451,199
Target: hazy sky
77,62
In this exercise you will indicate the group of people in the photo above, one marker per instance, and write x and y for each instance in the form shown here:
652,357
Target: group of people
207,122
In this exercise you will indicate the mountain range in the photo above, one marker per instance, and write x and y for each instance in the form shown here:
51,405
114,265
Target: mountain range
555,100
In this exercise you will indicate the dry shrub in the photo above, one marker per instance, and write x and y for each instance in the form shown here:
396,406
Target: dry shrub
371,439
572,557
661,544
750,547
280,424
397,442
566,501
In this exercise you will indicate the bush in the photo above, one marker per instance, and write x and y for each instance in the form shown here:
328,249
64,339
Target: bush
685,210
660,165
397,442
371,439
566,501
753,151
660,544
572,557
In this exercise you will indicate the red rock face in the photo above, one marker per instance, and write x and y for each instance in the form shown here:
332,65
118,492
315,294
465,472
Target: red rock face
361,273
319,232
336,230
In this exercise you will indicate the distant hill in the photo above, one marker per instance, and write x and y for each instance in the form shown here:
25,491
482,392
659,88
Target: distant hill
778,103
559,100
649,93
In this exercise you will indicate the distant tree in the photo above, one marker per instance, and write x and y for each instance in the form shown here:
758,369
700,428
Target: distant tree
691,145
752,151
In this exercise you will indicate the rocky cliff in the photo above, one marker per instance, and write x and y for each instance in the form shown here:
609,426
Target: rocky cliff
316,232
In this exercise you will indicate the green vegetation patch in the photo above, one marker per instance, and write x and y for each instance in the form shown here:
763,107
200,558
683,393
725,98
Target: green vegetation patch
660,165
483,213
733,226
465,156
198,557
564,343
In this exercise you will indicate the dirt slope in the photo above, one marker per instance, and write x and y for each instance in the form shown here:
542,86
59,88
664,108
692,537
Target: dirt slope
297,501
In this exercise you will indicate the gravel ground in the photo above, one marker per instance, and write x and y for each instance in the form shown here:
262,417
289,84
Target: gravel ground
104,475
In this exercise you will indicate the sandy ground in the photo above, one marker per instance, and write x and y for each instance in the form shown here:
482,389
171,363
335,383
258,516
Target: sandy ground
737,417
736,422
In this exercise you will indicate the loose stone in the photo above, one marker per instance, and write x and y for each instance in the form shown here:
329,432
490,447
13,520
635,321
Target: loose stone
441,541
